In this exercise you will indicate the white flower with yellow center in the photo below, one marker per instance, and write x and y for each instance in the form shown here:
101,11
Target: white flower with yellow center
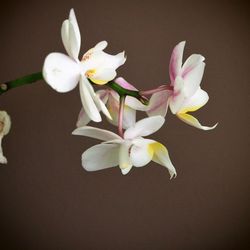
63,72
132,150
5,124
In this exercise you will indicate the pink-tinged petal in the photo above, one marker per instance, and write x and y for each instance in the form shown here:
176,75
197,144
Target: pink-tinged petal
195,102
103,94
158,103
61,72
177,98
123,83
97,133
100,157
176,61
190,120
113,108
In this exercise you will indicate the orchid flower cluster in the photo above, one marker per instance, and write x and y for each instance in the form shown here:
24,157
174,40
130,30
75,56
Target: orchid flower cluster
120,100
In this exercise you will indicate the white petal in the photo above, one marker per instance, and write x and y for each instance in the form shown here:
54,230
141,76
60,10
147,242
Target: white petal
3,159
5,123
135,104
144,127
190,120
87,100
101,106
126,170
83,119
105,60
196,101
124,159
73,20
161,157
158,103
61,72
100,46
98,101
192,80
101,99
176,61
113,61
140,153
100,157
192,62
103,75
129,117
71,36
100,134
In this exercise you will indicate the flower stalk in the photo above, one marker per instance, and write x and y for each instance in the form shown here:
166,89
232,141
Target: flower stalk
29,79
120,117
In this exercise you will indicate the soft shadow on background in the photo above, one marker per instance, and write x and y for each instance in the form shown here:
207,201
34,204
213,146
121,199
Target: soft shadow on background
49,202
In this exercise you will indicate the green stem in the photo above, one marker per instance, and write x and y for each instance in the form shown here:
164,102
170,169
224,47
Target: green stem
4,87
126,92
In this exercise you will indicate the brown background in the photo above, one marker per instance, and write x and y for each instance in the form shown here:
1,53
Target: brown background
49,202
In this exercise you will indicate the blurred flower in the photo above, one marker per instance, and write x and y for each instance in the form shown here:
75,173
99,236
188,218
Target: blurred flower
63,72
132,150
111,99
5,124
186,94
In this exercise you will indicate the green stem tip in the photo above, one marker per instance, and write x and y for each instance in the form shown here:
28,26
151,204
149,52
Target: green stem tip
4,87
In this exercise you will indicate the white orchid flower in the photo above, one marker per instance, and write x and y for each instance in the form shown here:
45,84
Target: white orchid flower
63,72
132,150
5,124
111,99
186,94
